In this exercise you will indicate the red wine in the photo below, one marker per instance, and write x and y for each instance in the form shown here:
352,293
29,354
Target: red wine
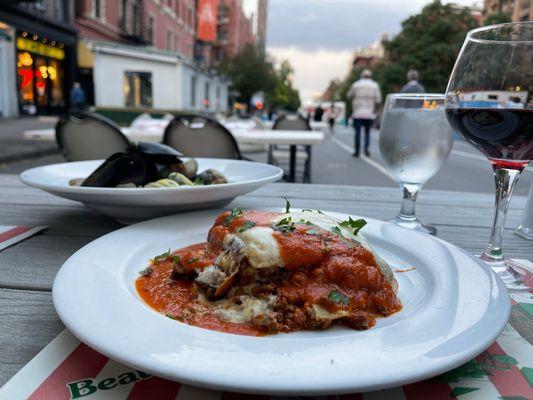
505,136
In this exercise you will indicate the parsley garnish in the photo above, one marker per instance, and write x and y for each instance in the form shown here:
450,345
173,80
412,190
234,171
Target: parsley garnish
336,230
235,212
146,272
285,225
247,225
325,250
162,256
287,205
307,210
320,212
192,260
356,224
176,259
338,298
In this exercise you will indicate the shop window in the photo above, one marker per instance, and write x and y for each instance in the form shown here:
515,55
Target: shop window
138,89
193,91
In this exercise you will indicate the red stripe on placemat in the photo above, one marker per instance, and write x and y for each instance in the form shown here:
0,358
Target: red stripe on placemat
428,390
82,363
13,232
242,396
154,388
508,381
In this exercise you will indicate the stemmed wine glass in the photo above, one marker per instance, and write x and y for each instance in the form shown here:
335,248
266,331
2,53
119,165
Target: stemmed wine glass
415,140
489,103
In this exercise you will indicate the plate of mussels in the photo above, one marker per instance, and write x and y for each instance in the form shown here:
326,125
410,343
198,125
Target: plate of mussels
151,180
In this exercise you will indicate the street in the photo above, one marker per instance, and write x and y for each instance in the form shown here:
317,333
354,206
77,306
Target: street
332,162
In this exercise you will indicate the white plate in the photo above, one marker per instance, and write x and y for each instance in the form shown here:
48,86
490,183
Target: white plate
453,308
135,204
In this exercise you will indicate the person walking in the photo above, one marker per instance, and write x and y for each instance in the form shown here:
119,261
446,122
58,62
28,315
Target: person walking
366,97
332,116
78,100
319,112
412,85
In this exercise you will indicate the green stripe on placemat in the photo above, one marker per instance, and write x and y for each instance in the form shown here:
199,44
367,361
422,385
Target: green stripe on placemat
458,391
522,320
528,374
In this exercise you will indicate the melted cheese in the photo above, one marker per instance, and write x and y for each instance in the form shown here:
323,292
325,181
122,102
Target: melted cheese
248,308
260,247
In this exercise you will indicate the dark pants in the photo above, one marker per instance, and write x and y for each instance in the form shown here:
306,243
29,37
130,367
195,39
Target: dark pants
367,124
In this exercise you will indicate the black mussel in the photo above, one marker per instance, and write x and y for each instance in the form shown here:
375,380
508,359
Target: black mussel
212,177
157,152
123,168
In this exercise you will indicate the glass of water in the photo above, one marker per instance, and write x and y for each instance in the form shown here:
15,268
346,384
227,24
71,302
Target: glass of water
415,140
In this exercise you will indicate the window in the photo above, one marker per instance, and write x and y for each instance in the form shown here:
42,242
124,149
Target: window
206,94
138,89
193,91
189,17
218,98
177,43
97,7
177,8
169,40
151,29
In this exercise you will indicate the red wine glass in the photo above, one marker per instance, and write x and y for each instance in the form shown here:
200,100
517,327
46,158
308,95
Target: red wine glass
489,103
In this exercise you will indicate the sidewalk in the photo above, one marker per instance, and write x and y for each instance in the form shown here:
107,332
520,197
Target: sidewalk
13,147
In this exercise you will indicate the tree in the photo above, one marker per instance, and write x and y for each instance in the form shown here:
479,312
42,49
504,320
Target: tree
429,42
250,72
498,18
284,96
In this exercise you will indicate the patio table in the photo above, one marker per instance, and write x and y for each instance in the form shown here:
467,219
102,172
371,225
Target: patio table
27,269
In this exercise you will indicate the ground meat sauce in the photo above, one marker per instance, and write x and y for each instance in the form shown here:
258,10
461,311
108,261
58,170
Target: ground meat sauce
320,268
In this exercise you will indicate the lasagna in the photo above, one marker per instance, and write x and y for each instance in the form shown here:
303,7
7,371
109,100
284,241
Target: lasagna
268,272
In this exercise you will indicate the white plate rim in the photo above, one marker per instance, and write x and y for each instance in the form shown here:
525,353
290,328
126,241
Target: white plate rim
27,177
322,389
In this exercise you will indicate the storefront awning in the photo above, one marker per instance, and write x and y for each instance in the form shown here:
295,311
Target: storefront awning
85,55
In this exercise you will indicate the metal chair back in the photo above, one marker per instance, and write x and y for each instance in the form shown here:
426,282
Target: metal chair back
292,122
201,136
82,135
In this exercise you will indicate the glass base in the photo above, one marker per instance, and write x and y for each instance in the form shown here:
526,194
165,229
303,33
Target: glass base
415,224
526,233
513,276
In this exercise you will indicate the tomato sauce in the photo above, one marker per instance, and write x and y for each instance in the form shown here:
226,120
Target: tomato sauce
320,267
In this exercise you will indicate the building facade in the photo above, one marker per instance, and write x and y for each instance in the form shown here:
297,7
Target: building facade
262,18
140,54
518,10
37,57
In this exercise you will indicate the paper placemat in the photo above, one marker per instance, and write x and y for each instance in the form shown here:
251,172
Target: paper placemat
12,234
69,369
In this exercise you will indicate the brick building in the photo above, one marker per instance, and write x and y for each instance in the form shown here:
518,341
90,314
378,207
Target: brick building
262,16
140,54
518,10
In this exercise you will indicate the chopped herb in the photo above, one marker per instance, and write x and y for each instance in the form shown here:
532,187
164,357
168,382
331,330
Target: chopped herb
336,230
307,210
325,250
146,272
174,317
285,225
247,225
176,259
338,298
320,212
235,212
192,260
309,223
312,232
287,205
162,256
356,224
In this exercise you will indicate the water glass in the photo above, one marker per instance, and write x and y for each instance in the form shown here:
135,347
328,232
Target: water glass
415,140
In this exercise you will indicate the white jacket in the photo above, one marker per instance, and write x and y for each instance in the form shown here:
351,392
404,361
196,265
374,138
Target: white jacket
365,97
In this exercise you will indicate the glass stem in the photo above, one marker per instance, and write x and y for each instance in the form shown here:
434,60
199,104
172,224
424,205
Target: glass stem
505,180
410,193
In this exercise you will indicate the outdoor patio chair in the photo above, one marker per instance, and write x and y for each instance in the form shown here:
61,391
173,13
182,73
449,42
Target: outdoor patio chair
200,136
279,155
82,135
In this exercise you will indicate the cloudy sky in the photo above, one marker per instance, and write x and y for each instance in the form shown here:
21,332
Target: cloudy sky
319,36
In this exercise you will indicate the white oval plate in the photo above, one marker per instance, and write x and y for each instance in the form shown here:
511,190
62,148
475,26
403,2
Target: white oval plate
135,204
453,308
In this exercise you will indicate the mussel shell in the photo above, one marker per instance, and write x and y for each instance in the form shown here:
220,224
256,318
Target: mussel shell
122,168
157,153
212,176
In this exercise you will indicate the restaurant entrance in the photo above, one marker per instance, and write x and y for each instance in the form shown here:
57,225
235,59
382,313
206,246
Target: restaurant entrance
40,75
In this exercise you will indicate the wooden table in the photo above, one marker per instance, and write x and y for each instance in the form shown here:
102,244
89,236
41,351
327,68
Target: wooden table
27,269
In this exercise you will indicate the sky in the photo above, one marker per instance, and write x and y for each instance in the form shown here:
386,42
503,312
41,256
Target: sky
318,37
